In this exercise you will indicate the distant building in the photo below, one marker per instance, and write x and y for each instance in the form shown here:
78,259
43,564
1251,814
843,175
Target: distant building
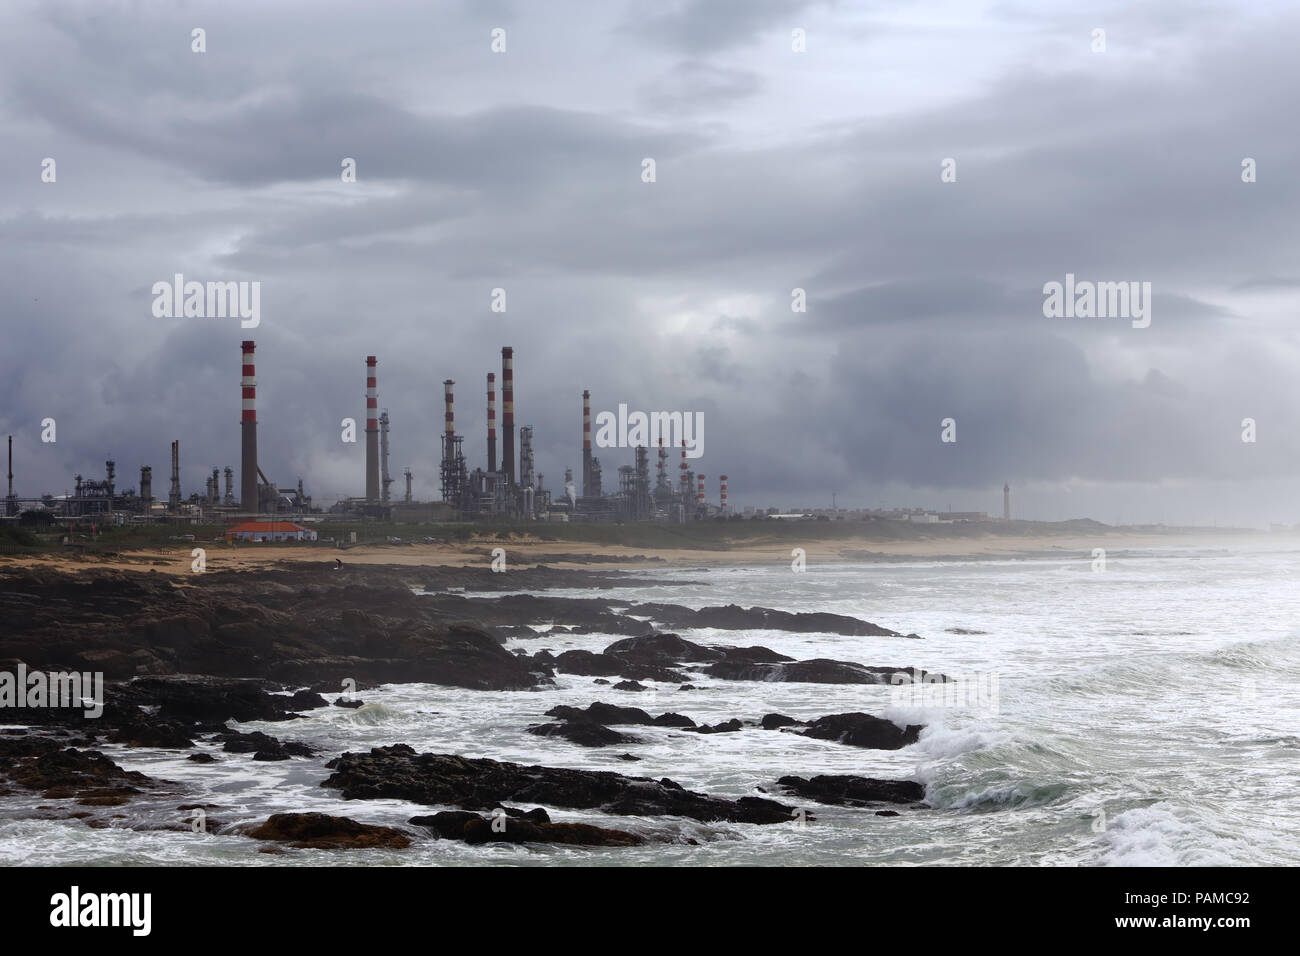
270,531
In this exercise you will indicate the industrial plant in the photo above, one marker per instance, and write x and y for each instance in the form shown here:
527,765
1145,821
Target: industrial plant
507,488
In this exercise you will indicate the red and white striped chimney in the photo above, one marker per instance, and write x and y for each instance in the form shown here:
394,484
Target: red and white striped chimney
492,421
724,494
372,431
508,413
449,413
248,433
699,498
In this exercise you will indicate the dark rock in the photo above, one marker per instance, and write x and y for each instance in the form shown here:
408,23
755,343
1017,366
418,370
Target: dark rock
263,746
583,733
600,680
816,671
628,757
600,713
301,625
476,829
863,730
325,832
735,618
629,685
847,790
350,704
202,757
306,700
673,720
591,664
887,813
726,727
43,763
398,772
773,721
142,731
535,815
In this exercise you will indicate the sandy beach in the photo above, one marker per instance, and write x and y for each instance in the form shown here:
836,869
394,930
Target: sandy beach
530,552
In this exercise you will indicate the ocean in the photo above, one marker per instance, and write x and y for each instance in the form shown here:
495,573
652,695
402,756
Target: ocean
1144,714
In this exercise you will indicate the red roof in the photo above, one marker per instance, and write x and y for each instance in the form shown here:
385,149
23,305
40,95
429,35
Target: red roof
265,526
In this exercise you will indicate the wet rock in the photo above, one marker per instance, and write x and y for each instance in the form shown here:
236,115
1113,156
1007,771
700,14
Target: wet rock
476,829
667,649
601,713
398,772
863,730
202,757
142,731
207,701
726,727
591,664
350,704
736,618
43,763
584,733
305,700
848,790
773,721
324,832
887,813
673,720
305,625
816,671
262,746
629,685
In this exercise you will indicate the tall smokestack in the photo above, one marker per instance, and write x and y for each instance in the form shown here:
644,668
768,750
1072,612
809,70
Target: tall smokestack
586,443
248,431
384,480
146,488
11,503
1006,502
449,416
372,432
724,493
699,498
174,496
508,413
686,481
492,421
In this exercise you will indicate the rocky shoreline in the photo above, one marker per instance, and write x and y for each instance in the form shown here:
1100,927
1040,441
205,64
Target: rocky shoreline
186,659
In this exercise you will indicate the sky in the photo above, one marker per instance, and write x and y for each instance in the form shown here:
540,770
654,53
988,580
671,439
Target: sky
775,169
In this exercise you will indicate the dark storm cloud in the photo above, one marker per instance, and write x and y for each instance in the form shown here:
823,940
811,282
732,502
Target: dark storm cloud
523,171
